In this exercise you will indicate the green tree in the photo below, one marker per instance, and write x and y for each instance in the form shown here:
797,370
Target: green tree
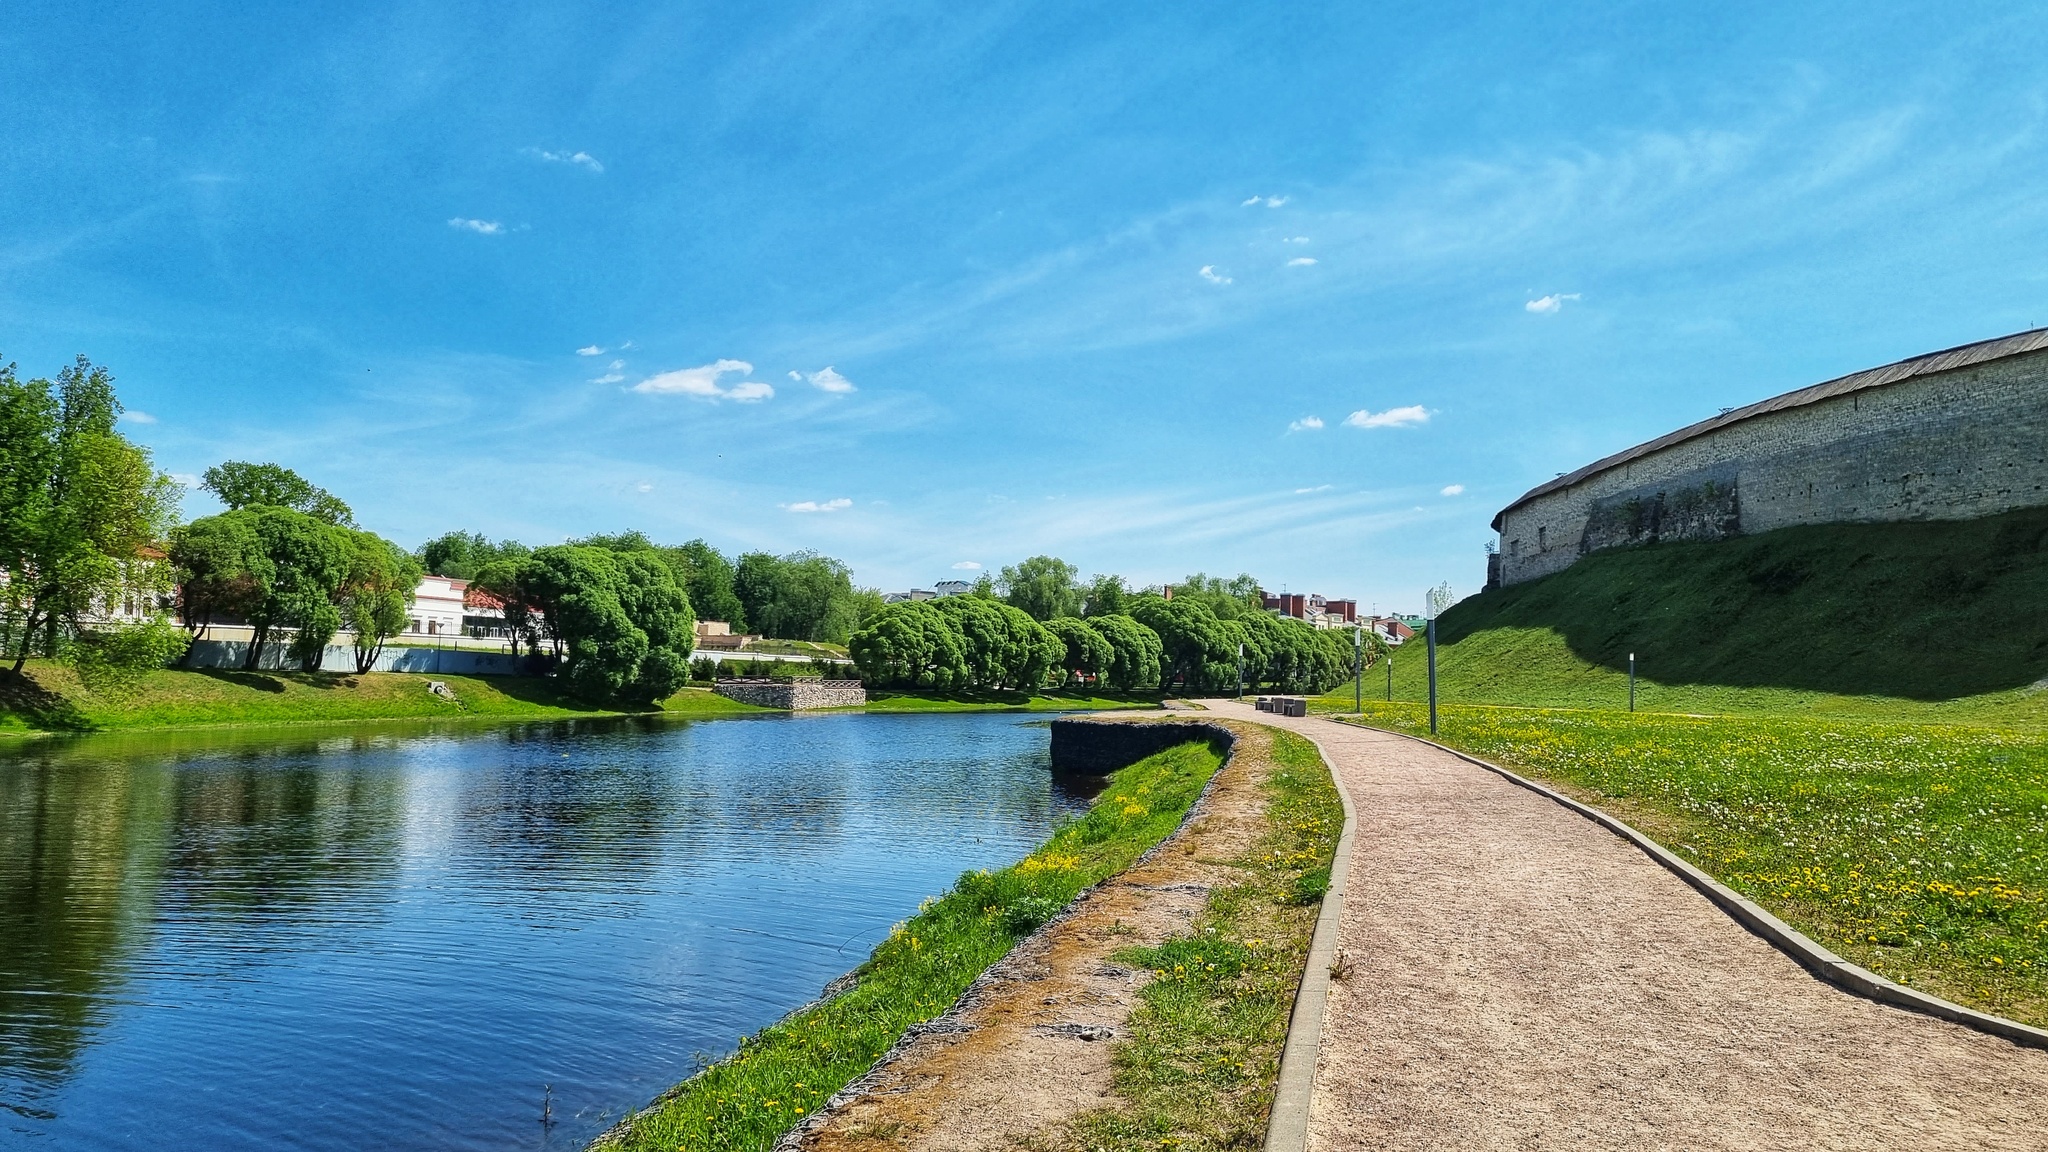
309,559
911,644
621,619
1088,653
801,596
222,569
376,598
1225,599
78,504
1104,596
1043,587
1135,652
462,555
1004,647
708,578
240,485
1195,648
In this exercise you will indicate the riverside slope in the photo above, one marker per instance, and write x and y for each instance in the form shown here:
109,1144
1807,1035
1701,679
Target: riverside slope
1518,977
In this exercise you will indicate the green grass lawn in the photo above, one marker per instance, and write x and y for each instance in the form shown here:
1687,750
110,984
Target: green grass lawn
786,1070
889,700
1917,850
50,699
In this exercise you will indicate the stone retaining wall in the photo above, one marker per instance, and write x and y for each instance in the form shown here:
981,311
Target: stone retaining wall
1947,445
1087,747
794,695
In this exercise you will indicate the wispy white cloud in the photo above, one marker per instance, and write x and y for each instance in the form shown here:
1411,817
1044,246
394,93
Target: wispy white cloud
580,159
590,350
1301,261
643,486
815,506
1306,424
616,365
1391,418
1268,201
1451,490
1295,240
826,380
137,416
1208,272
1317,488
968,566
703,381
608,378
185,480
1551,303
481,227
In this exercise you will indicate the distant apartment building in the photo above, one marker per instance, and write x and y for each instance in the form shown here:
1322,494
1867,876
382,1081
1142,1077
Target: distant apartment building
1312,608
438,607
913,594
952,588
1390,629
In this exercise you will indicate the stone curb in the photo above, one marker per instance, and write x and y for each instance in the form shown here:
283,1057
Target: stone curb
1287,1126
1787,939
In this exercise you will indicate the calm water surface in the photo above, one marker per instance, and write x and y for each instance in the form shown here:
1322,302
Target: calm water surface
396,938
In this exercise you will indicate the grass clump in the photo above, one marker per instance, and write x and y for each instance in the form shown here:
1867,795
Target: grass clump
789,1068
1202,1061
1919,851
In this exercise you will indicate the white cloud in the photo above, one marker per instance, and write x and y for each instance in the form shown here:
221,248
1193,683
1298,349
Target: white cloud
590,350
1295,240
481,227
580,159
797,376
704,381
628,346
617,364
1452,490
1301,261
137,416
828,380
1550,303
608,378
968,566
1317,488
814,506
645,487
1208,272
1391,418
1268,201
1306,424
186,480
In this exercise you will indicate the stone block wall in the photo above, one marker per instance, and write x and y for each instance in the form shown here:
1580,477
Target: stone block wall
796,695
1087,747
1953,445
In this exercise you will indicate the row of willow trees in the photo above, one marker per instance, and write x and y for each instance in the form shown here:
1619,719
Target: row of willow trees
981,641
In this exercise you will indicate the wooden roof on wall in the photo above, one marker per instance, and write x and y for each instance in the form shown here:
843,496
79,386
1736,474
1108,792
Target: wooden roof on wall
1946,360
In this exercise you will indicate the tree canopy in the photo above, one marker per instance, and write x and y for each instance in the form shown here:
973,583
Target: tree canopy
243,485
801,596
1043,587
462,555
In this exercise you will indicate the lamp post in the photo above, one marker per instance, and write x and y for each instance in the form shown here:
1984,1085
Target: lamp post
1390,676
1240,673
1439,599
1357,669
1631,681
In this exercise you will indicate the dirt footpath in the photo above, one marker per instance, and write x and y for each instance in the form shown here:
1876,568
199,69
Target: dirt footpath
1520,978
1028,1049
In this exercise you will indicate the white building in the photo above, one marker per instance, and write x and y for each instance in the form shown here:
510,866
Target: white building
952,588
437,607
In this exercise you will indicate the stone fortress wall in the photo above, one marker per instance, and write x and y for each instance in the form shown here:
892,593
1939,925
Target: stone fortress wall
1949,436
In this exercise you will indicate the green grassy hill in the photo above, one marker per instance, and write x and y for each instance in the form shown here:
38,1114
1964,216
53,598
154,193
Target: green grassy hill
1935,621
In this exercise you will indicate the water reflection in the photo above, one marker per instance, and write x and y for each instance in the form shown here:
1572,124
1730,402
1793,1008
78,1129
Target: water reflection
409,930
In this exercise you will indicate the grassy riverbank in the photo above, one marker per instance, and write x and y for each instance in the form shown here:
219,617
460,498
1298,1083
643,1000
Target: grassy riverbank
1200,1067
789,1068
1919,851
50,699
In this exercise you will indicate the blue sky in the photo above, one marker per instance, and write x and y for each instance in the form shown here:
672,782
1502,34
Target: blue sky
929,285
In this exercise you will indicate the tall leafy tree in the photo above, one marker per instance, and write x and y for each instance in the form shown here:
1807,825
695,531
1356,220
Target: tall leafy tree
623,622
708,577
376,598
1104,596
78,504
1225,599
801,596
911,644
1195,648
1044,587
222,569
309,559
242,485
463,555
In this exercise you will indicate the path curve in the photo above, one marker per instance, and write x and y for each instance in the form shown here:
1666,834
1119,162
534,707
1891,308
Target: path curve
1519,977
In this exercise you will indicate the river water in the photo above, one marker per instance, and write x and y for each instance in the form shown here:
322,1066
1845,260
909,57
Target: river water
402,937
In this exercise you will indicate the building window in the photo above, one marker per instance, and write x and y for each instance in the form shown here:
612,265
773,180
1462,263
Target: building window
1543,539
1514,547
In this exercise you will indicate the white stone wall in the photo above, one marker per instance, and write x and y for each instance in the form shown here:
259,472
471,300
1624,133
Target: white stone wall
1951,446
794,695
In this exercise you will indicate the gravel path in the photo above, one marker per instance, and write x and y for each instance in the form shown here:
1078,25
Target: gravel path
1521,978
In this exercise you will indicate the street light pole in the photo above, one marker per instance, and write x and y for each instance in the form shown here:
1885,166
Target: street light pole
1240,673
1390,676
1631,681
1357,670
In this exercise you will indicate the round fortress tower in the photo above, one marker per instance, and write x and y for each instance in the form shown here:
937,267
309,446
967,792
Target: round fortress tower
1951,435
